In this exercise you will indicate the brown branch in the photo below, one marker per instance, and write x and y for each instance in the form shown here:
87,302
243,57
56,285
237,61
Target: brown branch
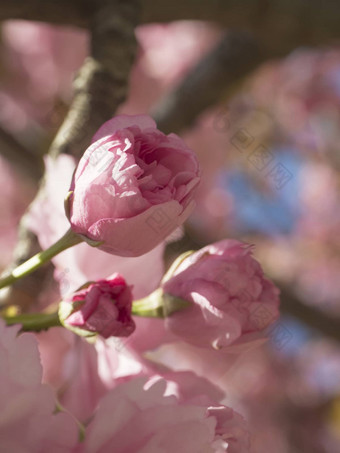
100,86
234,57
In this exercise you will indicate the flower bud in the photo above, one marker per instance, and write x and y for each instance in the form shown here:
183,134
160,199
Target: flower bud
102,307
132,188
231,302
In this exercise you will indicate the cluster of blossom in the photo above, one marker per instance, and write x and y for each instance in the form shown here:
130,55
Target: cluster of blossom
276,91
131,189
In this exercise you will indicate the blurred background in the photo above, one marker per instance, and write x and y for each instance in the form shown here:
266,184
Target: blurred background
266,129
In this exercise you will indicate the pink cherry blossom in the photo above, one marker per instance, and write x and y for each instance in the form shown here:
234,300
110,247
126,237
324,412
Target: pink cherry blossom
103,307
136,416
88,371
82,263
84,370
231,300
27,420
79,385
133,186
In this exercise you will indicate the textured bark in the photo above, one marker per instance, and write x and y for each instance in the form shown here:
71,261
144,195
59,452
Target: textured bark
102,83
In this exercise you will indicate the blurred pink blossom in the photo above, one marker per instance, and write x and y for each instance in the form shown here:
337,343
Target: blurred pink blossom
161,422
16,194
27,421
170,49
319,197
83,372
167,53
41,61
301,93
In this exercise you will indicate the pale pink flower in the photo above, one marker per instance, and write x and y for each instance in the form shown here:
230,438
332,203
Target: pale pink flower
27,420
82,263
182,356
136,416
102,307
79,386
231,302
82,372
133,186
88,371
54,344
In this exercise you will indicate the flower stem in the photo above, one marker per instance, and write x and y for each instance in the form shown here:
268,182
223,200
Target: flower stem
158,305
34,322
150,306
68,240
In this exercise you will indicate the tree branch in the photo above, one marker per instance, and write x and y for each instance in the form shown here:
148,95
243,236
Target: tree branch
233,58
102,83
100,86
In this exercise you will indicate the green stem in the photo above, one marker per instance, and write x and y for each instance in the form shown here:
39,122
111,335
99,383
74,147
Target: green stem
150,306
68,240
34,322
158,305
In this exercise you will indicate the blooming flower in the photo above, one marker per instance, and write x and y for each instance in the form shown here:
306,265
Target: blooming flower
231,300
103,307
136,416
27,422
46,218
133,186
